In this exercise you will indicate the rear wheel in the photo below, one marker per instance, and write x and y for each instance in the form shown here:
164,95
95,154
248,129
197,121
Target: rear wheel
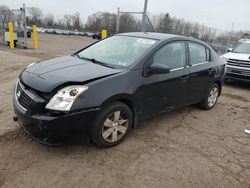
211,98
112,125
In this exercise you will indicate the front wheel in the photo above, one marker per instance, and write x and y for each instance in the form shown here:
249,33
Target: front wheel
112,125
211,98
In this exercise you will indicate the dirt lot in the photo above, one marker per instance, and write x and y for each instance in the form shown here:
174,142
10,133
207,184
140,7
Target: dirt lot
184,148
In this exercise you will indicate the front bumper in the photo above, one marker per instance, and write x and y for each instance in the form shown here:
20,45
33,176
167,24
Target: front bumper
238,73
237,77
55,130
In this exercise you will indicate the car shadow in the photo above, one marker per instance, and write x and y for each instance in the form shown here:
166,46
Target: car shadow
238,84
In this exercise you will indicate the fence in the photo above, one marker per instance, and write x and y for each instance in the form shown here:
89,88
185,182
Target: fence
18,19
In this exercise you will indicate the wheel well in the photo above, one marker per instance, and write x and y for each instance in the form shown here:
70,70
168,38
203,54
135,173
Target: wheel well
132,107
129,103
220,85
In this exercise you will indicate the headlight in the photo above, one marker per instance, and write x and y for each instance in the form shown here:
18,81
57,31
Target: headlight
223,58
64,98
32,64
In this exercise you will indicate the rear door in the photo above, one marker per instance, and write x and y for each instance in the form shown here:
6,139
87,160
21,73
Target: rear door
201,72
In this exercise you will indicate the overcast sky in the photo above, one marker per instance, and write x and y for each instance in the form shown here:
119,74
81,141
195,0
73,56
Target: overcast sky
219,14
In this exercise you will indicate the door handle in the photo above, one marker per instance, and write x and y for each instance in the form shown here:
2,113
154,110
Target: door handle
184,78
210,71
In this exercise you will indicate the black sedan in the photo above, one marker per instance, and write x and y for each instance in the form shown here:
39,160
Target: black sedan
98,36
109,87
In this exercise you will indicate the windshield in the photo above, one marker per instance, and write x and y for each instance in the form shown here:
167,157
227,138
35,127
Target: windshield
243,48
117,51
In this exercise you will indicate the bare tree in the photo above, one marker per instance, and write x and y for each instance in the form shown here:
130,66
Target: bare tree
4,8
101,20
165,23
49,20
68,20
128,23
3,22
76,19
35,15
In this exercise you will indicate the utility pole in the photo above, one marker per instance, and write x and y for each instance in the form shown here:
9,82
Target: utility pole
118,17
144,17
25,25
150,23
183,29
230,35
118,20
144,14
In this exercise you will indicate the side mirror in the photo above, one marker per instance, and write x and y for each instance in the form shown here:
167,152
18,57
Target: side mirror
158,69
229,49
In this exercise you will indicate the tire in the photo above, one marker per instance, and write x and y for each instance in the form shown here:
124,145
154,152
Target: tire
210,101
110,130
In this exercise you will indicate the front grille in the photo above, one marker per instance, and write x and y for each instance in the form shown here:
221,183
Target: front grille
238,71
22,96
238,63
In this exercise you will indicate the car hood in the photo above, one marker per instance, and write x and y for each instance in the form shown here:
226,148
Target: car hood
47,75
238,56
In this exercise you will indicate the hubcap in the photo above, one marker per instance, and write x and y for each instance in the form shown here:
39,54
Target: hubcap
114,127
213,97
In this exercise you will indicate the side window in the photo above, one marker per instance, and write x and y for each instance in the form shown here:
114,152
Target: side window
198,53
172,55
208,54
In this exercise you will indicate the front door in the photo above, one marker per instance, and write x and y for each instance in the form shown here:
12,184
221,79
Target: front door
163,92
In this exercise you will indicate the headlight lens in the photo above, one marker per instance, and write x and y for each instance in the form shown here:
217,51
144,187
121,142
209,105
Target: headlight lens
64,98
223,58
32,63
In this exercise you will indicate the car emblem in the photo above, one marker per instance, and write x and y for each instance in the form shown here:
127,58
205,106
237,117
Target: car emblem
18,94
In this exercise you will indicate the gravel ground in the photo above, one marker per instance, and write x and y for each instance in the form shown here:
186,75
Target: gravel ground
184,148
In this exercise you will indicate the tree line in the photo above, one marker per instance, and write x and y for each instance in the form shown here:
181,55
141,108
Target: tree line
164,23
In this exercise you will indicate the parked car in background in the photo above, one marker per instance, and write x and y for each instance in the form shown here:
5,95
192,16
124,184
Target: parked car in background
109,87
66,32
219,49
89,34
98,36
59,31
76,33
7,37
82,34
40,30
21,33
29,31
238,62
51,31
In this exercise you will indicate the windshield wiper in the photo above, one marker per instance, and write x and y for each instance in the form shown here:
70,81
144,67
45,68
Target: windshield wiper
96,62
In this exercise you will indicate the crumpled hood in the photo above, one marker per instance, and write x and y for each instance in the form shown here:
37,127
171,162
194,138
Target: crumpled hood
238,56
47,75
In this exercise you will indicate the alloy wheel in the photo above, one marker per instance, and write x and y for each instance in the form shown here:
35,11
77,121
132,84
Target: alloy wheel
213,96
115,127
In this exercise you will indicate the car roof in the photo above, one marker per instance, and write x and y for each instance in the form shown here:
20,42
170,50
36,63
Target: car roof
162,37
152,35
